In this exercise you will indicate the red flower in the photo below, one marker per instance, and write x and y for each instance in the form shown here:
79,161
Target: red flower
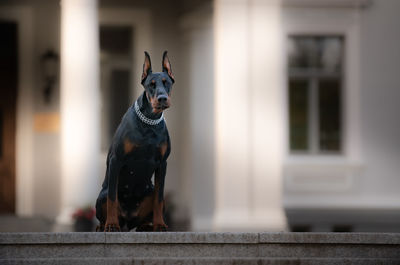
85,213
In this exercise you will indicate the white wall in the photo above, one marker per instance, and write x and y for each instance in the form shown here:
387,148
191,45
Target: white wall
359,187
380,108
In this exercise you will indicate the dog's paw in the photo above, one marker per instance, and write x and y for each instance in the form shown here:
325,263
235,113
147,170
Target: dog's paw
112,228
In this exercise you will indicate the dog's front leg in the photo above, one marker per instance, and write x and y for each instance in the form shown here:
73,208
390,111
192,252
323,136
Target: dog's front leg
158,199
112,223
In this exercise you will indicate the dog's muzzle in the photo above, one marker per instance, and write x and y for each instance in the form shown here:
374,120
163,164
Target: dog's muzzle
162,102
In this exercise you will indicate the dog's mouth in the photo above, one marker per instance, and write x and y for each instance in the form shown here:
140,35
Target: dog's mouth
157,108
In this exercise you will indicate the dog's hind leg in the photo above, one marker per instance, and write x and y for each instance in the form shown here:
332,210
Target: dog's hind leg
101,210
113,169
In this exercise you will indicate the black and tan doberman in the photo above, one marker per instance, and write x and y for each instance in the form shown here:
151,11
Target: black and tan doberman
140,148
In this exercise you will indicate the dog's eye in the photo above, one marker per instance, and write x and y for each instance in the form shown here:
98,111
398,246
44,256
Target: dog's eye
166,84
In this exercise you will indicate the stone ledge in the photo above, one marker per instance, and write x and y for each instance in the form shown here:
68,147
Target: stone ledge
199,248
199,238
331,238
200,261
183,237
51,238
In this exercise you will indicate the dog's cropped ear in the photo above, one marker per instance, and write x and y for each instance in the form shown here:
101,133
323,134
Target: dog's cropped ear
166,66
146,66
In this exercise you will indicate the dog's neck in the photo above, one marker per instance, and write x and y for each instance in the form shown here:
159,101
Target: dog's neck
145,107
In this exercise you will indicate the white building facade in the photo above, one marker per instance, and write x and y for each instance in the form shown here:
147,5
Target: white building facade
284,113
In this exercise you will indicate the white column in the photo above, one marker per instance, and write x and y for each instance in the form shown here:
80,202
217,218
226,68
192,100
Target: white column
232,112
267,114
249,115
80,138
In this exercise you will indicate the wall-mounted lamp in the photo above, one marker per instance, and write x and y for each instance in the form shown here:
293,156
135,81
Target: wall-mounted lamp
49,64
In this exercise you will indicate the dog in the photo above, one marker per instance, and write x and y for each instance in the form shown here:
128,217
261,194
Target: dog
139,149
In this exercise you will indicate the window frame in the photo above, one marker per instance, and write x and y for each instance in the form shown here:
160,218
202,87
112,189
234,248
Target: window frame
313,76
339,22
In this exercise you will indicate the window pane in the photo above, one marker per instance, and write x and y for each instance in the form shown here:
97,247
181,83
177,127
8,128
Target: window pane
329,115
331,54
315,52
298,114
303,52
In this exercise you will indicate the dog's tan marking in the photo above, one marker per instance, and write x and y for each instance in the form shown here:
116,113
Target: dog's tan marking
112,223
163,149
158,220
128,146
154,105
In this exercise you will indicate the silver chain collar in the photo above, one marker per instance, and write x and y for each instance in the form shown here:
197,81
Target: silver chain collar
145,119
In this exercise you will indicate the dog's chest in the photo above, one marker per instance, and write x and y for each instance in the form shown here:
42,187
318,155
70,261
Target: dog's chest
135,176
142,161
144,158
143,148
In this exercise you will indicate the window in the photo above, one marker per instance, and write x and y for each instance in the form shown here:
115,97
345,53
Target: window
116,68
315,77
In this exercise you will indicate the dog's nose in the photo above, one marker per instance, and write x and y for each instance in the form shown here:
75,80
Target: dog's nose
162,98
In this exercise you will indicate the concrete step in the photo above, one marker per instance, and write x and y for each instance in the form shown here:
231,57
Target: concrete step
199,248
199,261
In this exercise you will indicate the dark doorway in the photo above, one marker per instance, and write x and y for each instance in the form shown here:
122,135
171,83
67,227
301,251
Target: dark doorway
8,95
